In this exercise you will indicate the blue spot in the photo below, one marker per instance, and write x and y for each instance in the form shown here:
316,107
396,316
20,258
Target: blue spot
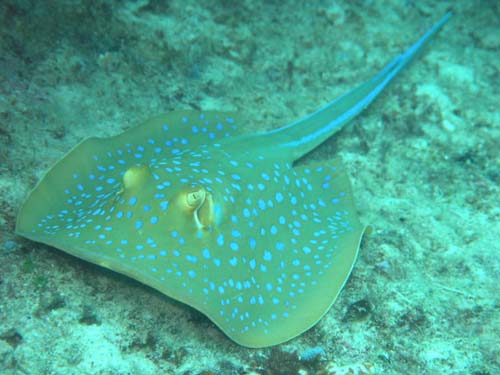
280,246
233,261
220,240
205,253
253,243
273,229
138,224
267,256
154,219
246,212
234,246
217,262
164,205
132,201
140,247
235,233
147,208
252,264
194,129
262,204
191,274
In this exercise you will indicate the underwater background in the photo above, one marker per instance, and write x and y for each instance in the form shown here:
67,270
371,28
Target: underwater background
423,160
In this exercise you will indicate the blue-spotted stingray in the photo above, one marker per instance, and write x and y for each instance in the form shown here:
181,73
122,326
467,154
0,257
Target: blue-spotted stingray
223,221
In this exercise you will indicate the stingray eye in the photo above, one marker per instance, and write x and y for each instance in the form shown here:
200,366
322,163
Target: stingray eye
196,198
205,216
135,177
200,203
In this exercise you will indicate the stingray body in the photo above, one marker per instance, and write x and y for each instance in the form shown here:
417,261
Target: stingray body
220,220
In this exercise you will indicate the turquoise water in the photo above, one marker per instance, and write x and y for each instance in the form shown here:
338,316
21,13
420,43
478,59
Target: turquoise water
423,162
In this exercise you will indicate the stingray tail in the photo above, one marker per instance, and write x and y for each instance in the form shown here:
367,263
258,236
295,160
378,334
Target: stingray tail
302,136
